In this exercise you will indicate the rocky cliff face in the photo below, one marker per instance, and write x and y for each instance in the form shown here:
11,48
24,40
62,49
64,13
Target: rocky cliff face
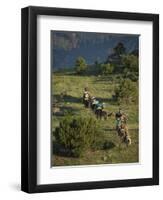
67,46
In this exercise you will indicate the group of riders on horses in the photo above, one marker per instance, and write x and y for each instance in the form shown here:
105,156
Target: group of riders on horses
93,103
98,108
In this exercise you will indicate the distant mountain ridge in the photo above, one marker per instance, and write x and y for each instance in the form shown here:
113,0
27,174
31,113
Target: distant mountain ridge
67,46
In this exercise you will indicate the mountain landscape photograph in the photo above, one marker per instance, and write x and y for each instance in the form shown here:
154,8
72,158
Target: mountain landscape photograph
95,98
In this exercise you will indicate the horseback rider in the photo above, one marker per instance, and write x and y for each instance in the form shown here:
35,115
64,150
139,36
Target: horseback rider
86,97
120,118
94,103
121,127
99,108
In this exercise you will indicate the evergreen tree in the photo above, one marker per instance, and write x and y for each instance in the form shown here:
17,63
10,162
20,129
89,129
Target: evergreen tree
80,65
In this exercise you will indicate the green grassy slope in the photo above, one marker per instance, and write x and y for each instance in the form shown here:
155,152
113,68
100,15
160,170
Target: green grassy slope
103,89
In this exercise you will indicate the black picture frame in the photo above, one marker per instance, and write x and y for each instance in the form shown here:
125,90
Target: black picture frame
29,99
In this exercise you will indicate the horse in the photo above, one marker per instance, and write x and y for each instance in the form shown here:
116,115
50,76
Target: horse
87,103
102,114
122,131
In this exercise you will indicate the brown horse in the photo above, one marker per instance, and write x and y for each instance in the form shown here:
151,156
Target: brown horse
102,114
124,134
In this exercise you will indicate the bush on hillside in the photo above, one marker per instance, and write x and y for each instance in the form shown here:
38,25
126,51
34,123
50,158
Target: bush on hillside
106,69
77,134
126,91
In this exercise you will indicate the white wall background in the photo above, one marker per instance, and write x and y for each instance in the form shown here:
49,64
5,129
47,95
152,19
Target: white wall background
10,79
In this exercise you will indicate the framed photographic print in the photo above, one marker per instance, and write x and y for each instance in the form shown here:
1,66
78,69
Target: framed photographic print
90,99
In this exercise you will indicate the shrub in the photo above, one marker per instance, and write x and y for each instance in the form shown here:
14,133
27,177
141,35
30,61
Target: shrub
98,144
77,134
131,63
134,76
102,144
108,145
80,65
126,91
106,69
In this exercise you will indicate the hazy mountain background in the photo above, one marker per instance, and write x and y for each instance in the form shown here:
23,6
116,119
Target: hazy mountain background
67,46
